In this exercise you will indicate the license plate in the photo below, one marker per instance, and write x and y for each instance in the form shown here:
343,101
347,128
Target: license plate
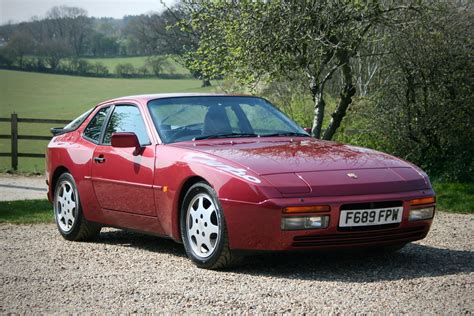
371,217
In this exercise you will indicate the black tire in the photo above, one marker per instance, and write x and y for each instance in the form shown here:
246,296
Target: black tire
219,256
68,212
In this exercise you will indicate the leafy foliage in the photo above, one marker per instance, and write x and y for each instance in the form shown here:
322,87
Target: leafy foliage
284,40
425,111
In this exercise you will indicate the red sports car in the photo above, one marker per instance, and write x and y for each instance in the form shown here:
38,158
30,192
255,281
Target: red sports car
226,174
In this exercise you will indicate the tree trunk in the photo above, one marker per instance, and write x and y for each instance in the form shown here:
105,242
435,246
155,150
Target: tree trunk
319,105
348,91
205,83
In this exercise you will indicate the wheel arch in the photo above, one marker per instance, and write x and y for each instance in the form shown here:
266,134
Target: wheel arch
189,182
54,179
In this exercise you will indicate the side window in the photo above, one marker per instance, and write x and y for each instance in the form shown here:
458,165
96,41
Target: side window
126,118
93,129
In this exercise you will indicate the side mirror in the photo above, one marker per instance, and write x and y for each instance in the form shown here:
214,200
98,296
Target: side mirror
307,130
126,140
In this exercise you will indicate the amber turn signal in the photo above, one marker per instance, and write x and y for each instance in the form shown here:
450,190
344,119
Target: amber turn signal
306,209
423,201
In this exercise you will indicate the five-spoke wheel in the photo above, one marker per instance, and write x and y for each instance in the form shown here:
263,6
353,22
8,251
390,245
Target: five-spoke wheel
203,225
203,228
65,206
68,212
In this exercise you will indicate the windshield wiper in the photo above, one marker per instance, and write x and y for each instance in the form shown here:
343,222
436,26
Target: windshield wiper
227,135
283,134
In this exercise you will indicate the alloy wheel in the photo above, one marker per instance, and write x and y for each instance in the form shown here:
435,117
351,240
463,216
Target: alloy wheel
202,223
65,206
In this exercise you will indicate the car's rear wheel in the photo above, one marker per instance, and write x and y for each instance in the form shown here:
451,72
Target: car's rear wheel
203,228
68,212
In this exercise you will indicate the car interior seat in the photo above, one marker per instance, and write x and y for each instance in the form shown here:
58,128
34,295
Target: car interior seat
216,121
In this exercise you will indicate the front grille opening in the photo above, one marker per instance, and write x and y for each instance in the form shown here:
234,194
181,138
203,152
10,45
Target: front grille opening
367,228
367,238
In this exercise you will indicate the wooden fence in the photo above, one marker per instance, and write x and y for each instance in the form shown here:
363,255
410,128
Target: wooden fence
15,137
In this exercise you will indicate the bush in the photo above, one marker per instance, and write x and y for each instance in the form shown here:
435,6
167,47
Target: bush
125,70
7,58
143,70
158,64
99,69
80,66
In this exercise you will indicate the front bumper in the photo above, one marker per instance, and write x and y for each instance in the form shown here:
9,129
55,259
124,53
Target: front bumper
258,226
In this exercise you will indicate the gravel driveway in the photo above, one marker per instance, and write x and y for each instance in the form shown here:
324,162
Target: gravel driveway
18,187
128,272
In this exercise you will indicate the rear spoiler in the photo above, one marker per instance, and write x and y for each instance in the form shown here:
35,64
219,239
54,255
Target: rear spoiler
58,131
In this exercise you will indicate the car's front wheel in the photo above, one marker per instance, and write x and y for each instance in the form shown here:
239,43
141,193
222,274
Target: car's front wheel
203,228
68,212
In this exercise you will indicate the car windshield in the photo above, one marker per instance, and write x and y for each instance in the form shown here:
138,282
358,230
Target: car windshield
206,117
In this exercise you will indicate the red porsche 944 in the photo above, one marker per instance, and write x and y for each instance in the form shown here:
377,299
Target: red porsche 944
228,174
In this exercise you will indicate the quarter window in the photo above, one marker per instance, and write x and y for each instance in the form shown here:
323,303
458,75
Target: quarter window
93,130
126,118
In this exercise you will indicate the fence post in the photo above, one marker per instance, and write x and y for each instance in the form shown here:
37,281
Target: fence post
14,133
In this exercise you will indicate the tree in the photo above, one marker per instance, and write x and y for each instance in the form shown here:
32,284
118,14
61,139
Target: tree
71,24
19,45
7,57
157,64
168,33
424,109
102,45
281,40
53,50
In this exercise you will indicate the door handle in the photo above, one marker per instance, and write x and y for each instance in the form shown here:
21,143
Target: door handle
99,159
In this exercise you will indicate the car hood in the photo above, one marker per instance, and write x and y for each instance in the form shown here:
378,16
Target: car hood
275,156
304,165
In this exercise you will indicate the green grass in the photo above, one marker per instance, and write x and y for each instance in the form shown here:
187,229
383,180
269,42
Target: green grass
455,197
36,95
137,62
112,62
26,212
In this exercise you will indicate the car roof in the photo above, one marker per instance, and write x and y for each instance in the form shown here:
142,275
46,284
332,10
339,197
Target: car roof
144,98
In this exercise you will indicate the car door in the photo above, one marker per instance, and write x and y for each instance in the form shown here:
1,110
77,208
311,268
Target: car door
122,177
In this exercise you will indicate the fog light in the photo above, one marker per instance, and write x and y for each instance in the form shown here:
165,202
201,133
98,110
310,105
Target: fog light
304,222
421,213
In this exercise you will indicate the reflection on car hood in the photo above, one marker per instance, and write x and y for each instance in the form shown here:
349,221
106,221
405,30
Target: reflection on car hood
317,168
284,155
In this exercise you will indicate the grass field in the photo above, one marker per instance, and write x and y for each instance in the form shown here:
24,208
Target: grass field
455,197
137,62
36,95
26,212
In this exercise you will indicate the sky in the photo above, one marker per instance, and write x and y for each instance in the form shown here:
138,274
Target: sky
23,10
